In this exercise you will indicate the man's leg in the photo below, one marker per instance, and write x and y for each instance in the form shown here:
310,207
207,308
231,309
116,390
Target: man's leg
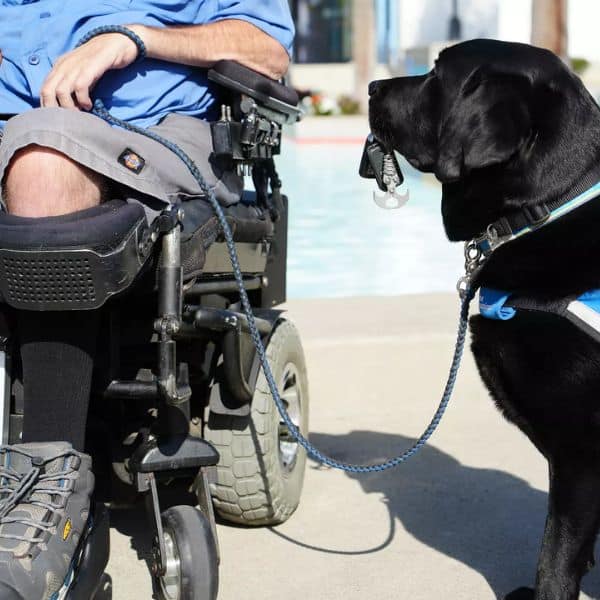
57,349
42,182
47,482
57,353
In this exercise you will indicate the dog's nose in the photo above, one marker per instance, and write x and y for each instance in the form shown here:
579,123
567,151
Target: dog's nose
373,87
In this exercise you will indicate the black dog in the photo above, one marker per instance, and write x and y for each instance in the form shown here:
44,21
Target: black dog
504,126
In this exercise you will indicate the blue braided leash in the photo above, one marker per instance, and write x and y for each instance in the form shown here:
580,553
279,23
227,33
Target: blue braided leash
134,37
100,111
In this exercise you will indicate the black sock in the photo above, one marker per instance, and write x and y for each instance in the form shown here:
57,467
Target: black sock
57,352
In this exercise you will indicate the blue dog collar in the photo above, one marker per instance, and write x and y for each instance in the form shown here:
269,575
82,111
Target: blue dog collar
529,219
511,227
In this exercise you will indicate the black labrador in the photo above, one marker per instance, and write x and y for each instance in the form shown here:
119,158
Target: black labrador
504,126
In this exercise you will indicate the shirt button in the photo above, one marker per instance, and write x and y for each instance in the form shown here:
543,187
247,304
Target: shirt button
45,15
34,59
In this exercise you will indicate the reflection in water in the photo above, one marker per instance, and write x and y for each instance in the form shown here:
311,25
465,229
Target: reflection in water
342,244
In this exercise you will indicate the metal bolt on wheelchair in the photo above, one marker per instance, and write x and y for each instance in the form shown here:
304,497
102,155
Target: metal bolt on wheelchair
178,398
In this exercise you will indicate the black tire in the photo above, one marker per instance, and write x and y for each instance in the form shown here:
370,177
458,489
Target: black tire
192,547
254,483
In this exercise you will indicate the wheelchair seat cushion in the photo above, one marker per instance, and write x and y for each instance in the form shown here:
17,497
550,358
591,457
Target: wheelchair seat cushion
248,223
100,228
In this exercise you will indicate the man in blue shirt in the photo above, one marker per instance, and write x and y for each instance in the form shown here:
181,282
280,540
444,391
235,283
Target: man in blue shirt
57,158
41,67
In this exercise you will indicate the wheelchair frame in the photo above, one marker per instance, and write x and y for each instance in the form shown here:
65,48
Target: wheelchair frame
199,313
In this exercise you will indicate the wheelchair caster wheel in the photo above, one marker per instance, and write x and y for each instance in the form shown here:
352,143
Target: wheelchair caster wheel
191,565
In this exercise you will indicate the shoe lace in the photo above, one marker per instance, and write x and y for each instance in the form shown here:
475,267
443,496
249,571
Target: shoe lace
17,489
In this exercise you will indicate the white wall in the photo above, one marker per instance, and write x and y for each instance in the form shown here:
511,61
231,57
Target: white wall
584,21
425,21
514,21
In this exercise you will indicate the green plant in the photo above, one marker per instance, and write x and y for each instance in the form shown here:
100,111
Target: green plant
348,105
579,65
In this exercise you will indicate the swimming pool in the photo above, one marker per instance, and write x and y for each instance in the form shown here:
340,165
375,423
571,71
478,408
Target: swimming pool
342,244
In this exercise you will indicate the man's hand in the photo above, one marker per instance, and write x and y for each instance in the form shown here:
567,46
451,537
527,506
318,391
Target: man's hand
74,74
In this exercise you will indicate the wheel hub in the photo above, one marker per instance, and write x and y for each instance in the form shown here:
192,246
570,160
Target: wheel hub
170,582
291,397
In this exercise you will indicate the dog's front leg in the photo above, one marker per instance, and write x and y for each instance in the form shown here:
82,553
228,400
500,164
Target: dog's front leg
571,527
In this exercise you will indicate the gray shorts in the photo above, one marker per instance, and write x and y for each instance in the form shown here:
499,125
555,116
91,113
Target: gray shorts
148,172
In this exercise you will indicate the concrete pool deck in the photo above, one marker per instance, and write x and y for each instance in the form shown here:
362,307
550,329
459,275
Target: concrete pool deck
461,520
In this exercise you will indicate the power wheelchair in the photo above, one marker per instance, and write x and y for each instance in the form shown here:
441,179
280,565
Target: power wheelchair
178,396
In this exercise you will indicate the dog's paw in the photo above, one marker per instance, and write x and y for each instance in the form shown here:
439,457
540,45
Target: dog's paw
521,593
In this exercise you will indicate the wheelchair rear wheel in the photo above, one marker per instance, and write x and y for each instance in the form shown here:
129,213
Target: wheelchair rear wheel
191,564
261,468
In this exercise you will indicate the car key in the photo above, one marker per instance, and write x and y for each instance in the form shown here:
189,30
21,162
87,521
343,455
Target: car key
382,166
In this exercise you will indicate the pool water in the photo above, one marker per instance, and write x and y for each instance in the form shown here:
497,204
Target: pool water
342,244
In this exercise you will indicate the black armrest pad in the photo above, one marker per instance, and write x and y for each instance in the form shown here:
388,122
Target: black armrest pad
99,228
256,81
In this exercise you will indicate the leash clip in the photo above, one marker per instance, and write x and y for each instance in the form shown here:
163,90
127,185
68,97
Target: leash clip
475,257
491,240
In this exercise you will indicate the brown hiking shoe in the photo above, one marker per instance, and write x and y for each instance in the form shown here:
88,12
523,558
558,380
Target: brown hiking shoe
45,491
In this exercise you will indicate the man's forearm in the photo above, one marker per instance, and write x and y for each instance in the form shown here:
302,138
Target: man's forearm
75,73
203,45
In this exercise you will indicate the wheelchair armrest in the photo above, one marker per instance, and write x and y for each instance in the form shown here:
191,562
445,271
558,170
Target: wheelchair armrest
75,261
281,101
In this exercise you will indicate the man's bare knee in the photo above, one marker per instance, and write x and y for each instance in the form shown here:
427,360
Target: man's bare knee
42,182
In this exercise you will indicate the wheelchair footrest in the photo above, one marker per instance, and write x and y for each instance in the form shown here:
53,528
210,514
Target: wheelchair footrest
72,262
173,453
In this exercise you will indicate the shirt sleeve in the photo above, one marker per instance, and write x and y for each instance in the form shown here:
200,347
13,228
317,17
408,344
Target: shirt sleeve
271,16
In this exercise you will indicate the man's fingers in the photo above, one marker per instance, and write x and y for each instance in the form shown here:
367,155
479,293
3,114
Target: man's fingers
48,91
48,95
71,92
82,86
82,94
64,94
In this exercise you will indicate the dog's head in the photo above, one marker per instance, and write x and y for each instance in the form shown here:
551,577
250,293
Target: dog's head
499,124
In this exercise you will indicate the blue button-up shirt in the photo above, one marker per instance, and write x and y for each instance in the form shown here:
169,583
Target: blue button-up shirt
34,33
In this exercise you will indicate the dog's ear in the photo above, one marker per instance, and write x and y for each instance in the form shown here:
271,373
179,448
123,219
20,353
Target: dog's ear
486,125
